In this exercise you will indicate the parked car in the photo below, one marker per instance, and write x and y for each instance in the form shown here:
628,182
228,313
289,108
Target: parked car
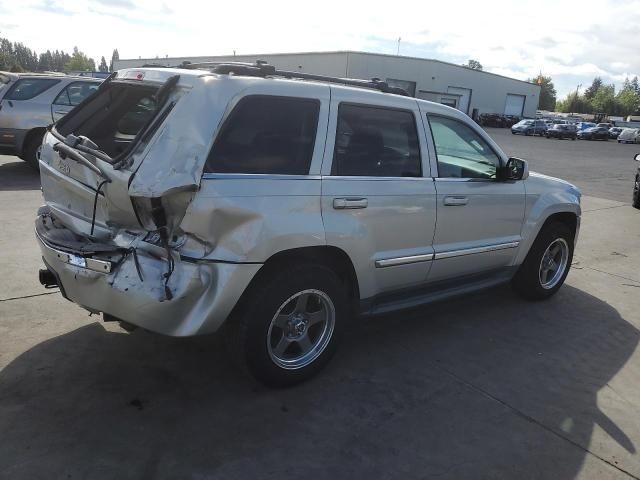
29,102
594,133
254,202
629,135
606,125
529,127
562,131
585,125
636,184
614,132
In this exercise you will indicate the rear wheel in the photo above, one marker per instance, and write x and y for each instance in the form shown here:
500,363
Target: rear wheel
288,328
31,153
547,264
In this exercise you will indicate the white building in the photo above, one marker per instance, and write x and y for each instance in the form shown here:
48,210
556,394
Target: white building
471,91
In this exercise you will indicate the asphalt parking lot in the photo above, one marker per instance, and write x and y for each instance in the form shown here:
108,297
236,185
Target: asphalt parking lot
483,387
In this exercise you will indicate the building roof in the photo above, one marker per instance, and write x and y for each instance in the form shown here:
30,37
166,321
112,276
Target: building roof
335,52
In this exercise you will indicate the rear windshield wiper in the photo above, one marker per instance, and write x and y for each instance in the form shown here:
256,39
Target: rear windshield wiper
80,158
78,143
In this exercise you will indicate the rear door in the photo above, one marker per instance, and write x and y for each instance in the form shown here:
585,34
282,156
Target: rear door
378,200
479,217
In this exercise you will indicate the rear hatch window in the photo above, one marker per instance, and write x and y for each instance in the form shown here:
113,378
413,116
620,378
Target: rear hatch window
113,116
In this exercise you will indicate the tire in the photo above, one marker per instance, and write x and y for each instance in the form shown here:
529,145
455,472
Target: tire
256,334
636,192
32,148
528,281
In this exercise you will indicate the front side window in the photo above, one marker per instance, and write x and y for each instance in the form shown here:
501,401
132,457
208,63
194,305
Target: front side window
267,134
461,152
27,88
376,142
75,93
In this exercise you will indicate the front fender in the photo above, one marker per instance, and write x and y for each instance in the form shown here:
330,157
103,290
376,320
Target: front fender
543,202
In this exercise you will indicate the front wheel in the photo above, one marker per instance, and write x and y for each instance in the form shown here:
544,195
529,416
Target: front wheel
636,192
288,328
547,264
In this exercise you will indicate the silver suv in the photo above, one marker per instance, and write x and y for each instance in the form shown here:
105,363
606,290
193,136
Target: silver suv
279,205
29,102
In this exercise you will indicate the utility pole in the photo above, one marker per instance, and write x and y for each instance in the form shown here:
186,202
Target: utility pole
398,49
575,98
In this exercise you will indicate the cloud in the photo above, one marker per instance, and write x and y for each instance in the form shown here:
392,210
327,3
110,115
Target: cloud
519,39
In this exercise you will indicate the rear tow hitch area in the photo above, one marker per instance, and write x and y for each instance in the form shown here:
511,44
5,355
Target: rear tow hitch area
47,278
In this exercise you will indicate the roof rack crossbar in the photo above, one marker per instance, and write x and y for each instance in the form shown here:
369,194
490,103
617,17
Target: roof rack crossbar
263,69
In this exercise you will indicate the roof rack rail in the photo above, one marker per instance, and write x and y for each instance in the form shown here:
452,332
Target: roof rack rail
263,69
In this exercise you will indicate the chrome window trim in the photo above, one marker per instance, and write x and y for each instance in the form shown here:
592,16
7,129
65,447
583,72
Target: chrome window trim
393,262
258,176
365,178
471,251
463,179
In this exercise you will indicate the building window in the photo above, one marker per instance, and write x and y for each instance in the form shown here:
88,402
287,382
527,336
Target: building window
449,102
406,85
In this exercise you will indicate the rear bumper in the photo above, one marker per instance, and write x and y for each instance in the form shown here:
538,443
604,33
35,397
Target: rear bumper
203,293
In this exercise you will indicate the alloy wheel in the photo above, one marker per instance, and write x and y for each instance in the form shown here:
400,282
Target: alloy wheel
554,263
301,329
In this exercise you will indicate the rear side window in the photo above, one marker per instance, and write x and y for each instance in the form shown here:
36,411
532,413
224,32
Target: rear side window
266,134
376,142
27,88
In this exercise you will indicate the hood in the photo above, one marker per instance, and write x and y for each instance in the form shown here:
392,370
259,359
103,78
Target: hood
553,182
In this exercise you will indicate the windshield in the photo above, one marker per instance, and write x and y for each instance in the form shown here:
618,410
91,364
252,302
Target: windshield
113,117
525,122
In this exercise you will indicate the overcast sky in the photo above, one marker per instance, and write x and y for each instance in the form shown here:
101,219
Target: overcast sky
570,41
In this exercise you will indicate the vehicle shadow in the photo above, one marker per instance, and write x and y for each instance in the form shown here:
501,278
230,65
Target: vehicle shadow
487,386
18,175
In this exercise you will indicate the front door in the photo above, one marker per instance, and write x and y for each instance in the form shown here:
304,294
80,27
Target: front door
479,217
378,200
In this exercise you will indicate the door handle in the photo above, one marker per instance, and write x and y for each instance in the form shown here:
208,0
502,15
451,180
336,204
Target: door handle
455,201
349,203
60,112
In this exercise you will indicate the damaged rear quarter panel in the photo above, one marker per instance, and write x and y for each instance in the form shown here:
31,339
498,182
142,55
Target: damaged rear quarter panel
175,160
249,218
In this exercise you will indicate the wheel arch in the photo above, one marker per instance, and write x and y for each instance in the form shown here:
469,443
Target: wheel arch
326,255
30,135
568,214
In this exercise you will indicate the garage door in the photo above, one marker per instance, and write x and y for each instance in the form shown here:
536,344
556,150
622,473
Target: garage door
464,95
514,105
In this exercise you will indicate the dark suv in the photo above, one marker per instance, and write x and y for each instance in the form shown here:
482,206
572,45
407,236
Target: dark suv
562,131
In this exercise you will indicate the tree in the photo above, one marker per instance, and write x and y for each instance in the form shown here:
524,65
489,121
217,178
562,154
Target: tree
547,92
79,62
473,64
603,100
628,98
114,56
103,65
590,92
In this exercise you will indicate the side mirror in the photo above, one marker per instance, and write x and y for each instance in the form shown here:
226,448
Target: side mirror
515,169
637,157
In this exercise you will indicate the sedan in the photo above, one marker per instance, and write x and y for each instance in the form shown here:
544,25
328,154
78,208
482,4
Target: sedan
594,133
629,135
